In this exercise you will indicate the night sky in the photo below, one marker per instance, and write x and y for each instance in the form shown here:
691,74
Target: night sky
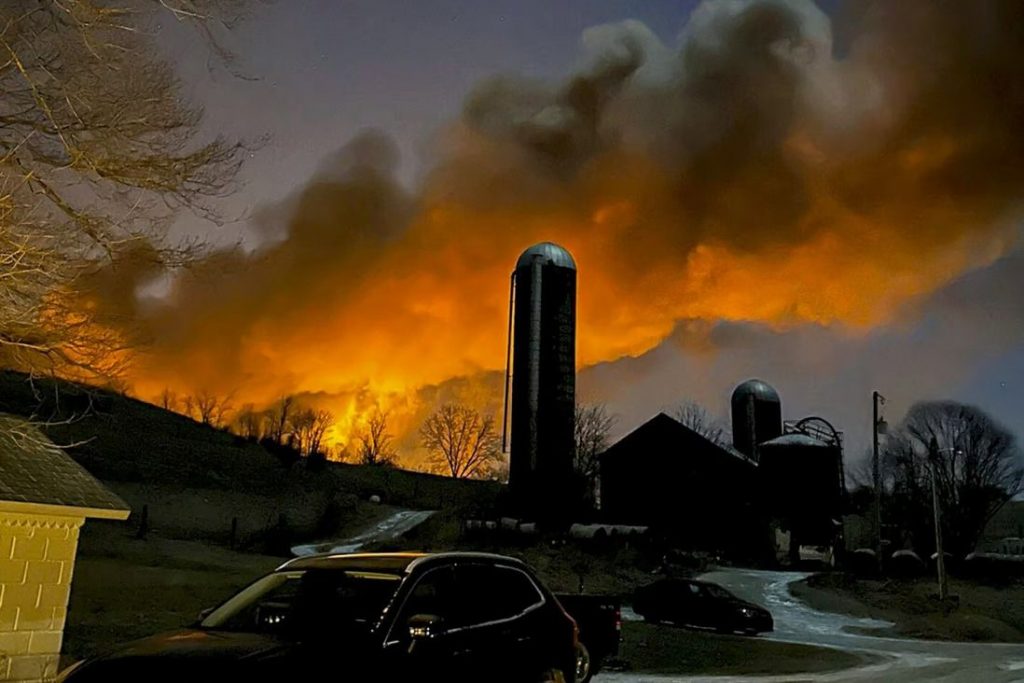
317,74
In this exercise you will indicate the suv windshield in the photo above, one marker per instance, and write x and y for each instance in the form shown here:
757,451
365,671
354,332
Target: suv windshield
299,604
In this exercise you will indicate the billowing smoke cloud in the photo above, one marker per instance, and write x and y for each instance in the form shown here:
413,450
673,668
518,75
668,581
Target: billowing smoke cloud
935,352
754,172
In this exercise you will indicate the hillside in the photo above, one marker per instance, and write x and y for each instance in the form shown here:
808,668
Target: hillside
195,479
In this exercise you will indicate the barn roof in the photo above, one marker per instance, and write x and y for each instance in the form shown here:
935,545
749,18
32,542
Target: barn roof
670,430
35,472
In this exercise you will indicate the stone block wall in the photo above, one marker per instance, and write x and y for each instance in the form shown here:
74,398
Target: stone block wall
37,559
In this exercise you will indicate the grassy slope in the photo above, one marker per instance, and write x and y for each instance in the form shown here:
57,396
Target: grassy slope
985,614
196,479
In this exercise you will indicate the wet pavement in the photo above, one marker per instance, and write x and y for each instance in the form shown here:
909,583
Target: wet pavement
389,528
900,660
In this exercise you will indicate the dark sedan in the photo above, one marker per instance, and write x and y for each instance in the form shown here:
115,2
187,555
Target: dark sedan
702,604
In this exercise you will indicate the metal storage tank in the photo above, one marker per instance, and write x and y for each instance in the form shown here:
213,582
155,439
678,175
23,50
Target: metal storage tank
756,416
543,382
802,479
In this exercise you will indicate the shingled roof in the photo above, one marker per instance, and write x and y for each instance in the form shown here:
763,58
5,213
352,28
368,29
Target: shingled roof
35,472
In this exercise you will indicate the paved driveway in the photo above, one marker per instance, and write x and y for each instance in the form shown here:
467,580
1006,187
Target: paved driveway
902,660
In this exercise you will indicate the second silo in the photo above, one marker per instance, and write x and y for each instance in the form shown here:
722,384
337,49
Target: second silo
543,382
756,416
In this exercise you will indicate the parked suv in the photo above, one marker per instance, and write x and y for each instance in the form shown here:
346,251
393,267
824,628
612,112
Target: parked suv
365,617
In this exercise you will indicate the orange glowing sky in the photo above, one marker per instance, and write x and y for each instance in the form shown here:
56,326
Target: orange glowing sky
747,173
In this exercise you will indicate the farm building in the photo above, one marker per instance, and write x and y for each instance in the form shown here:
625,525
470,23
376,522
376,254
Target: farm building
705,496
669,477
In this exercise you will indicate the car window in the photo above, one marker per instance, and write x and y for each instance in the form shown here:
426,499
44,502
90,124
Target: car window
489,593
434,593
300,603
719,592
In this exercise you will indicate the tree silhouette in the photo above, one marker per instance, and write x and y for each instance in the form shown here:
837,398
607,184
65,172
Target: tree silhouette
323,420
697,418
308,427
977,468
250,423
168,399
277,418
208,408
462,442
592,427
375,442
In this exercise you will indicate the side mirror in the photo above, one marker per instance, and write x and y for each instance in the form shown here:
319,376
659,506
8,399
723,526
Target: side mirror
203,614
425,626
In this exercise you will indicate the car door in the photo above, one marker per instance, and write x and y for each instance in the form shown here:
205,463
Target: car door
501,626
440,656
694,608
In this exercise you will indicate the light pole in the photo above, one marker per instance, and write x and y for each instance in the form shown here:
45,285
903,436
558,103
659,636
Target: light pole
940,558
878,426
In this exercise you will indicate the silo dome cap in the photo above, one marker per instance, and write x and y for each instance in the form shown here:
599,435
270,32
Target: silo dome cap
547,253
758,389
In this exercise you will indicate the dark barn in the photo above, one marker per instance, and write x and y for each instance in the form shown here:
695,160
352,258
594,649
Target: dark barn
669,477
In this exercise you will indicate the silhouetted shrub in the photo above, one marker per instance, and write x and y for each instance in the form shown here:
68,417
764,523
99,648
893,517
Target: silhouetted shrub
283,452
906,564
279,538
316,462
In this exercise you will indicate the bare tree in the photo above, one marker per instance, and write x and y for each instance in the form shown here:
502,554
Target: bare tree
977,468
208,408
250,423
322,421
592,426
375,442
98,149
461,441
168,399
277,419
299,424
697,418
307,427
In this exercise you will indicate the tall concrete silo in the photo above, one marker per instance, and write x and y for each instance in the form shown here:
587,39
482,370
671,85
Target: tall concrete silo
756,416
543,383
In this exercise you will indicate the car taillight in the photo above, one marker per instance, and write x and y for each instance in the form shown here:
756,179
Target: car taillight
618,619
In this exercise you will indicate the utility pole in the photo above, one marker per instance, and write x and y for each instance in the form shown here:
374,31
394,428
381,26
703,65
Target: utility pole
940,558
876,472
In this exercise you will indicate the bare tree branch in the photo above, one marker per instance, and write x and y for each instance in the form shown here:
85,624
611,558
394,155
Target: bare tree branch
977,470
98,150
375,442
462,442
697,418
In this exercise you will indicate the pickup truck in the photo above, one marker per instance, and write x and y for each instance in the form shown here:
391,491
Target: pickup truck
599,620
468,617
